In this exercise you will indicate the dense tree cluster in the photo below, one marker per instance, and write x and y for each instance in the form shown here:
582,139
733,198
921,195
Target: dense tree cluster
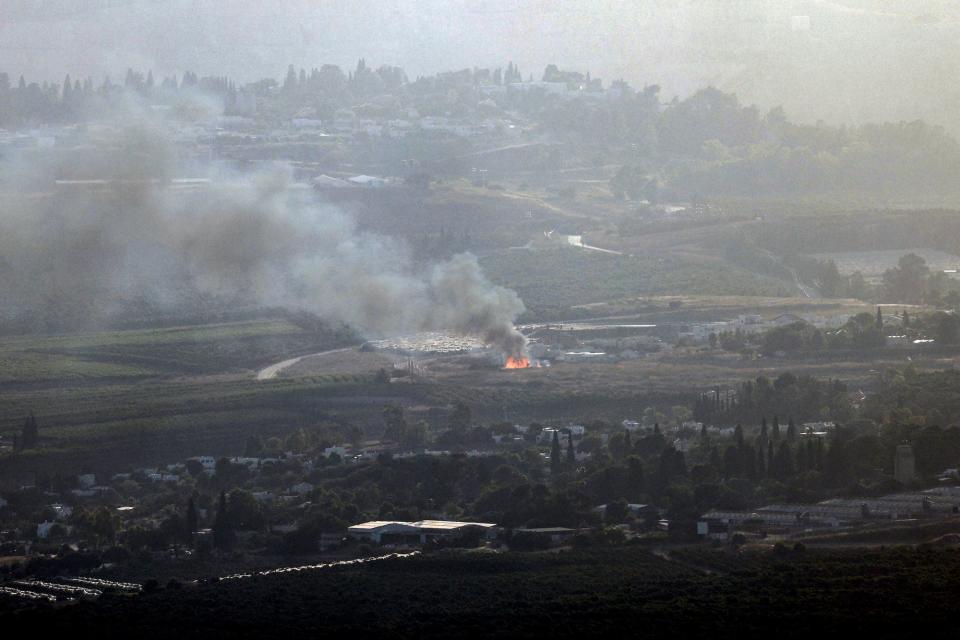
706,144
804,397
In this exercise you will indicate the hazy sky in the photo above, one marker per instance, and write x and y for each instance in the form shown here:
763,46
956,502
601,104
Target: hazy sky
840,60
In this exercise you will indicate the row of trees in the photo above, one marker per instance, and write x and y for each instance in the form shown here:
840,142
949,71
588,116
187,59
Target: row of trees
910,282
805,397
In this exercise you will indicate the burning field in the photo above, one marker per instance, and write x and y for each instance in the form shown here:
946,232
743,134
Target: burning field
520,362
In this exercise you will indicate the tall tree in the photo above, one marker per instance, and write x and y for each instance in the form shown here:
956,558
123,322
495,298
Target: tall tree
30,435
555,453
290,82
461,418
571,453
222,532
635,482
190,520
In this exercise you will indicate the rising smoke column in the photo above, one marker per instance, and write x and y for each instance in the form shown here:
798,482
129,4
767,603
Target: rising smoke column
242,240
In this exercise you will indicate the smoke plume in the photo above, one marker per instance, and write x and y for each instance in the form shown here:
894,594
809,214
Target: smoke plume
77,254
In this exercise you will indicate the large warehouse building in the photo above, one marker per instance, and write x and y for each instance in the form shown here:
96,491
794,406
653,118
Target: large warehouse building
422,532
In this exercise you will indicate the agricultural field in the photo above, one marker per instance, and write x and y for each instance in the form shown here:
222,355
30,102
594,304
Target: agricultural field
144,353
571,594
551,281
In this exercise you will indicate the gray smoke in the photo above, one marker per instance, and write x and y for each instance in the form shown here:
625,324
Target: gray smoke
83,252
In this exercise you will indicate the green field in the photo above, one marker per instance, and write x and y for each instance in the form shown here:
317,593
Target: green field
552,280
156,352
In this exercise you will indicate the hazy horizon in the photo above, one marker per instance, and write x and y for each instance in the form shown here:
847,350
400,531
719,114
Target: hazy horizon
845,61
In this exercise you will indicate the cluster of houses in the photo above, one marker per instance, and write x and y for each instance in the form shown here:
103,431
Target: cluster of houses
95,489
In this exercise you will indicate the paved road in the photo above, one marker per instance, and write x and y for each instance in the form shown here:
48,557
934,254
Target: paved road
273,370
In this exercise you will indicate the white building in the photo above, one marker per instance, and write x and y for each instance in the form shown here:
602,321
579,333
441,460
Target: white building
61,511
422,532
301,488
368,181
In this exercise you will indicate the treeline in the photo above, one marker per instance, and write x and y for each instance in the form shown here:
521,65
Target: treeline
711,145
910,282
29,103
804,397
707,144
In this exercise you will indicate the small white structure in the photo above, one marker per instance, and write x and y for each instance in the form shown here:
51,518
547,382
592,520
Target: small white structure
207,462
324,181
301,488
368,181
61,511
576,430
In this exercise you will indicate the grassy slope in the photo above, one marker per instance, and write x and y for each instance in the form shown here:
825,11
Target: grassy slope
153,352
134,394
562,277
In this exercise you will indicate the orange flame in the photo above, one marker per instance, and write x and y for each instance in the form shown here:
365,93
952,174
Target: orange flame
522,362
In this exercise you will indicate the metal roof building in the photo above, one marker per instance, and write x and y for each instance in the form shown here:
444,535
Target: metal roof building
421,532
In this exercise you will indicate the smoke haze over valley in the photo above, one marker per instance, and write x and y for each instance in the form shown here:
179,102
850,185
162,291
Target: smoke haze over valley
76,255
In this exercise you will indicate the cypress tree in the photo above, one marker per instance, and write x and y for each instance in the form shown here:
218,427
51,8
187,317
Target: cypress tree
30,435
802,462
783,462
715,461
791,430
191,519
634,478
555,453
571,454
627,443
221,524
738,436
731,462
879,318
